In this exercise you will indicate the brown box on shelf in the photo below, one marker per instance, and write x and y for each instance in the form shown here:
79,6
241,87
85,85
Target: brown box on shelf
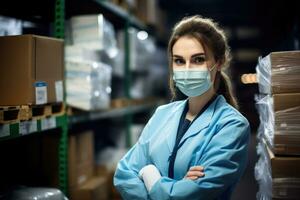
146,11
280,119
287,124
103,171
31,70
286,101
279,72
94,189
286,145
283,166
278,176
81,158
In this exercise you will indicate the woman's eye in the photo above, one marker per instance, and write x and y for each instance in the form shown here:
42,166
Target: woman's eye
178,61
198,60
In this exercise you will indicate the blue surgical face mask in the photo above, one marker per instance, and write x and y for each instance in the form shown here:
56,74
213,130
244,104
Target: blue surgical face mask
193,82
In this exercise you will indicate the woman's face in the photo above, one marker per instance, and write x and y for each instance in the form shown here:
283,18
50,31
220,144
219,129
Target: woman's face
189,53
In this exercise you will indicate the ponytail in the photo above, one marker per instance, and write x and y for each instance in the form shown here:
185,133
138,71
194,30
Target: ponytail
223,86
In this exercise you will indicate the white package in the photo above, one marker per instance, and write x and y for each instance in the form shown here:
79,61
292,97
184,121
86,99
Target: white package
88,85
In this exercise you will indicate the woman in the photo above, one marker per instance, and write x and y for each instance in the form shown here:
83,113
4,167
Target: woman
194,148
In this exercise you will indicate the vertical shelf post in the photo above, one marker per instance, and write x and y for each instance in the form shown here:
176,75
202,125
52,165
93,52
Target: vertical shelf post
128,117
59,32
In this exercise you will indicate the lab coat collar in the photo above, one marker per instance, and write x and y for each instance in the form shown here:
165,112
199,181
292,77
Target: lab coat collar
200,123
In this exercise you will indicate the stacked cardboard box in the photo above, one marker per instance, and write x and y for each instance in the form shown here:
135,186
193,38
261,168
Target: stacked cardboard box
104,171
83,181
278,177
278,105
280,122
83,184
279,72
31,70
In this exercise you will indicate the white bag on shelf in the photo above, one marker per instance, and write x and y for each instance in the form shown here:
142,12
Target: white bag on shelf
93,32
88,85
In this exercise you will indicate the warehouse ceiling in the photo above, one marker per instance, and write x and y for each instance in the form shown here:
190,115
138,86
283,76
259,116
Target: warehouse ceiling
275,19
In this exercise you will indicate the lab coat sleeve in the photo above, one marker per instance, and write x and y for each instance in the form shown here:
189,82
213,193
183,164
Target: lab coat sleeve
224,161
126,178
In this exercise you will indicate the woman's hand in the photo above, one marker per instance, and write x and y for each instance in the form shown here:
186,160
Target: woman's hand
194,173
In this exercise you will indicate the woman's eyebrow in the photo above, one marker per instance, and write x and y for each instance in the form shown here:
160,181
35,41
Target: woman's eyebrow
177,56
194,55
198,54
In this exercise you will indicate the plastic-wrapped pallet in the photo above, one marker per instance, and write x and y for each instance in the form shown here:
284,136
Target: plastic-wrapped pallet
279,72
280,122
263,175
278,177
93,32
88,85
94,40
10,26
83,54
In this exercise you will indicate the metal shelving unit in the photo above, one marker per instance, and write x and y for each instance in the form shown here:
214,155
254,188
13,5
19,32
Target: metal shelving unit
117,112
125,20
59,32
15,130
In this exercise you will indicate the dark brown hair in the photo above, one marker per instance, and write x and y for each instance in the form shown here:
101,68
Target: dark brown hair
213,39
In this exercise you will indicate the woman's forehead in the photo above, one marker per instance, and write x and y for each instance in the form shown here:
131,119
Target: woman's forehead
188,45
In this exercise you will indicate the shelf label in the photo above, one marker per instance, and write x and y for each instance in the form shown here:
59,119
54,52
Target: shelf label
59,91
27,127
48,123
40,92
4,130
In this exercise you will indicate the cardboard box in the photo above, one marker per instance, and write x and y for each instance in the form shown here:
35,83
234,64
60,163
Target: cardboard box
280,122
286,145
31,70
103,171
94,189
285,101
278,177
286,124
147,10
283,166
279,72
81,158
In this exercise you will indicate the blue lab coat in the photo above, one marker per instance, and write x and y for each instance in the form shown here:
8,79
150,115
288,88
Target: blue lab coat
217,140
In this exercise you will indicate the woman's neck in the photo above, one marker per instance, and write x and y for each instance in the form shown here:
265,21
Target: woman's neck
198,102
